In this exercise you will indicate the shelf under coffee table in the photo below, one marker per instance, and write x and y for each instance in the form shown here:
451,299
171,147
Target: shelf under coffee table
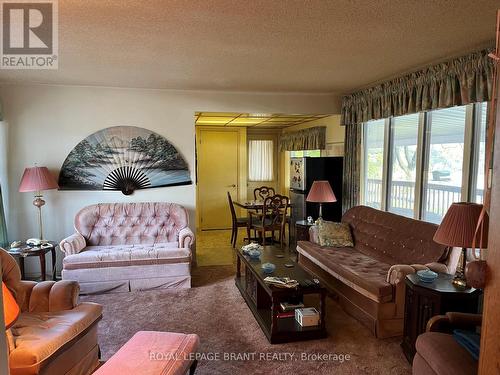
264,300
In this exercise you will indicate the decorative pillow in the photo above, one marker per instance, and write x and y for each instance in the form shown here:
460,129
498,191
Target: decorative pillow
334,234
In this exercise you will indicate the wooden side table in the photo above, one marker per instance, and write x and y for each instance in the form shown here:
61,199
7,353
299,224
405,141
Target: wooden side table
425,300
302,230
25,250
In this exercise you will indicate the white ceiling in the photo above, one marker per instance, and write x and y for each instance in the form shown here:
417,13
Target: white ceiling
260,45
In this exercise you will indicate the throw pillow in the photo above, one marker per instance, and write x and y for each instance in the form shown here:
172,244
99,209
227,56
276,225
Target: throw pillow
334,234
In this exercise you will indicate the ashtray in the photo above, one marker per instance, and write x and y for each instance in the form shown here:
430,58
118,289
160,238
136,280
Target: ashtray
427,276
254,254
268,267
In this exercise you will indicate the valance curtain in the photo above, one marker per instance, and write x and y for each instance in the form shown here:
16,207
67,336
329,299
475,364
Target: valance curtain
461,81
306,139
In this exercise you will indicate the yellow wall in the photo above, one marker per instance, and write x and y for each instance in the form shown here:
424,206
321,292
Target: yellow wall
335,136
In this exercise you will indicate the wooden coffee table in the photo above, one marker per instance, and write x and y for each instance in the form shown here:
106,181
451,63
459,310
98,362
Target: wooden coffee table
264,299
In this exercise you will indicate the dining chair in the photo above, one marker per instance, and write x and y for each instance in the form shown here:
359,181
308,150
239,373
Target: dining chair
237,222
271,219
263,192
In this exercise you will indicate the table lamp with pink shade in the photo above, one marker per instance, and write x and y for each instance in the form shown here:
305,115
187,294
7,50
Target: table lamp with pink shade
458,229
38,179
321,192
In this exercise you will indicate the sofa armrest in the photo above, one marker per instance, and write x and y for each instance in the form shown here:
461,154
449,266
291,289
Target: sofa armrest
73,244
186,238
396,276
397,273
51,296
314,234
453,320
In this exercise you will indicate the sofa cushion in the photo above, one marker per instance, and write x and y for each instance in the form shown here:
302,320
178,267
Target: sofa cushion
131,223
39,335
127,255
334,234
393,239
444,355
362,273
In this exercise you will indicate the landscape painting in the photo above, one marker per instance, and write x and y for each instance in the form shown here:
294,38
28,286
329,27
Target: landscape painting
124,158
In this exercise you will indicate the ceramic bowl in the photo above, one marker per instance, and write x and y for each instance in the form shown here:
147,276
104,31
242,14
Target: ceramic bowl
268,267
427,276
254,253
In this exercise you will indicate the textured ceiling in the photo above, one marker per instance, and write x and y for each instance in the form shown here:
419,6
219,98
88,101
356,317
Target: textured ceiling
259,45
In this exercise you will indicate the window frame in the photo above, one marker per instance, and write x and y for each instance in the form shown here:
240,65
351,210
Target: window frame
470,162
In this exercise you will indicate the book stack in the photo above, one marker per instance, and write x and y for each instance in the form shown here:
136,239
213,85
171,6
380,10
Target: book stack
288,309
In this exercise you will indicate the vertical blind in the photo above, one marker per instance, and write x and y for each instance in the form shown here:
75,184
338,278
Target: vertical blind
260,160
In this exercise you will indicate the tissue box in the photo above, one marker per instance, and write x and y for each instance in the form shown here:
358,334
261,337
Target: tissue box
307,316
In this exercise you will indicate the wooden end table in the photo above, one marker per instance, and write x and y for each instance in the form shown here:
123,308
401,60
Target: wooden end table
264,299
425,300
25,250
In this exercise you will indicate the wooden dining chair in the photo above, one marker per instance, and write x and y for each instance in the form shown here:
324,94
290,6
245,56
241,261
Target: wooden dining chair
271,219
237,222
263,192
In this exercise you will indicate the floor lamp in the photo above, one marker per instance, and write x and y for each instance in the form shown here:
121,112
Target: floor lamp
38,179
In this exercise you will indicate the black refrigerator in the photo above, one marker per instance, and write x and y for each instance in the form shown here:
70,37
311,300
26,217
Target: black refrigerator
303,172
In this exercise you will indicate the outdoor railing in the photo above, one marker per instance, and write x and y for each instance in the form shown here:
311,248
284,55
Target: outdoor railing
402,197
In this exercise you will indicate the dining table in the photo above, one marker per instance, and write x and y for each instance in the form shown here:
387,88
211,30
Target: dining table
257,205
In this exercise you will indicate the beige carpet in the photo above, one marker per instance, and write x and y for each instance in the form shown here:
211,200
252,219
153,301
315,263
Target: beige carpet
215,310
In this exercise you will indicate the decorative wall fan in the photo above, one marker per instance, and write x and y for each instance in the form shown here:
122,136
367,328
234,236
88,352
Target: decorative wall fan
123,158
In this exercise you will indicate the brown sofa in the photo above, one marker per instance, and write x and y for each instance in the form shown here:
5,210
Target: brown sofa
54,334
368,279
437,351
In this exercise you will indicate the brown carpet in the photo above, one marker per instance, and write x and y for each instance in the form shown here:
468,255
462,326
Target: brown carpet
215,310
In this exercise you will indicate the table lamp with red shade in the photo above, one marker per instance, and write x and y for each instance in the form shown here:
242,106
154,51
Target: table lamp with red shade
10,307
321,192
38,179
458,229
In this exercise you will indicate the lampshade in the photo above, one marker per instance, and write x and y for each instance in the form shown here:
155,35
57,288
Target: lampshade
10,307
37,179
459,226
321,192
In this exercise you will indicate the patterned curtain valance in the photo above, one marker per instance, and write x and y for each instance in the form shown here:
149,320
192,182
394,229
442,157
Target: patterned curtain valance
461,81
306,139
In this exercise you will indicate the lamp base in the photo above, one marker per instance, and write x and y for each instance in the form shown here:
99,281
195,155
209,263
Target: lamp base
459,281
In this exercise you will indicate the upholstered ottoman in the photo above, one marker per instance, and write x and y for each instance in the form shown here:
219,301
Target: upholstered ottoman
152,353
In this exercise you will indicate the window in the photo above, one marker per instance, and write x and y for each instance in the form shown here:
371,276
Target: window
260,160
374,162
479,151
444,164
305,153
417,165
403,165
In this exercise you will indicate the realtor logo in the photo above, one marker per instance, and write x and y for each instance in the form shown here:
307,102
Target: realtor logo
29,34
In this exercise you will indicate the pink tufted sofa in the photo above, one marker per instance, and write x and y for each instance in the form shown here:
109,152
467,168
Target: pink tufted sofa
129,246
369,278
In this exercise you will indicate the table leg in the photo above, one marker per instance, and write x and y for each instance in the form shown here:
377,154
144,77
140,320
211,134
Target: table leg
53,252
21,267
42,266
274,315
322,308
238,266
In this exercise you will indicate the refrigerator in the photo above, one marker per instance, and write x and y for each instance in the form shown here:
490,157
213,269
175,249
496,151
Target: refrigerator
303,172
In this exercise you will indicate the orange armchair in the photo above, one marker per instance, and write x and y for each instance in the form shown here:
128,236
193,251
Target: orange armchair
55,334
